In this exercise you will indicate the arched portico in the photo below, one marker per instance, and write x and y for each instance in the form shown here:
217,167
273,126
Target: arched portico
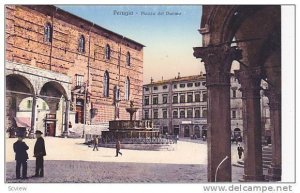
257,35
27,81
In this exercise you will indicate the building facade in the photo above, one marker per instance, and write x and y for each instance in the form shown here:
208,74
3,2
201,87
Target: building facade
179,106
84,73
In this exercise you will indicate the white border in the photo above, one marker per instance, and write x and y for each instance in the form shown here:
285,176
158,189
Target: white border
288,85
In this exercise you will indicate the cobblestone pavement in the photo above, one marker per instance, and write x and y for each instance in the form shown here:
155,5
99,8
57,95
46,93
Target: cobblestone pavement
103,172
68,161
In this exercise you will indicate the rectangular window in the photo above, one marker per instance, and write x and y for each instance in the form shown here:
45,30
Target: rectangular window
175,86
197,97
165,87
182,98
190,98
204,83
146,88
204,96
233,93
204,113
190,84
233,114
182,113
165,99
146,100
29,104
175,114
165,113
175,99
197,113
190,113
182,85
197,84
155,113
146,114
79,80
155,100
155,88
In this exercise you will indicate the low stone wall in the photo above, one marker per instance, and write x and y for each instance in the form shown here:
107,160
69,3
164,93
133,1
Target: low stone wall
149,147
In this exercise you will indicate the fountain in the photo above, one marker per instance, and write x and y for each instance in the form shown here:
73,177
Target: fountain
135,134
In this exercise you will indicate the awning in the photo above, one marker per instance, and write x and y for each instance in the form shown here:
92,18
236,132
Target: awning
23,121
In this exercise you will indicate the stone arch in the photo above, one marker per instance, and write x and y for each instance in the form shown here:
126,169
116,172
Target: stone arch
18,87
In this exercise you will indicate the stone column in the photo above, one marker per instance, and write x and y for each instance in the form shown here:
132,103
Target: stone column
65,133
250,80
274,172
33,117
218,62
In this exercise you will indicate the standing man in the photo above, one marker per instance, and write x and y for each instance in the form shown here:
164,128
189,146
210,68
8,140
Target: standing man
95,141
240,150
118,147
21,157
39,153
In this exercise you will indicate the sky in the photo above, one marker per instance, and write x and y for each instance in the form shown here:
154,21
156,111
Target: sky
169,39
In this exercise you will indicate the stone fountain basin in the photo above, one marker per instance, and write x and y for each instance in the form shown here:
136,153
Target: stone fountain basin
129,125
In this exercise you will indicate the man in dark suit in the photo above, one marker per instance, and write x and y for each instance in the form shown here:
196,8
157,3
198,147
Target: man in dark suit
39,153
21,157
240,150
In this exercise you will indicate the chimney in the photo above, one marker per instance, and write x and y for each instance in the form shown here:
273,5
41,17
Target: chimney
178,74
162,78
151,80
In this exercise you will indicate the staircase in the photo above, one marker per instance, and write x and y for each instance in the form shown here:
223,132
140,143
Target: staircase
267,156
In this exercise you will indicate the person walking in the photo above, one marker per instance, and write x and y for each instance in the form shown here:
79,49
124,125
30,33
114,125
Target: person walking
95,142
240,150
21,157
118,148
39,153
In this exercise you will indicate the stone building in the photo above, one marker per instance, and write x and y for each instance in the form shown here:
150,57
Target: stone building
256,34
70,71
179,106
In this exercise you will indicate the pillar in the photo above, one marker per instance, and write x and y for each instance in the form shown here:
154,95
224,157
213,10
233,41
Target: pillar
65,133
33,117
250,80
274,172
218,60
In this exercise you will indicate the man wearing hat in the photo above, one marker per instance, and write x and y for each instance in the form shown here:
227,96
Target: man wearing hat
39,153
21,157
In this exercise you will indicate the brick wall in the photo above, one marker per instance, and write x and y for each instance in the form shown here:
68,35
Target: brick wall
25,44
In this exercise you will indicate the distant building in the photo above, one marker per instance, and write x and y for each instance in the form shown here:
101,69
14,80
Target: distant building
179,106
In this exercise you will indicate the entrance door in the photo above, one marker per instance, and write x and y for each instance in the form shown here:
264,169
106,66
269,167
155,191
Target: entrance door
79,118
186,131
197,131
50,129
176,129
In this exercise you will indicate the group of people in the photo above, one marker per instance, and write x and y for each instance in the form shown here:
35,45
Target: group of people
118,145
21,155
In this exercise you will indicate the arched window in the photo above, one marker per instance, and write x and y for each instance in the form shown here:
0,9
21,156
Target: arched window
106,84
128,59
81,44
127,88
107,52
116,93
48,33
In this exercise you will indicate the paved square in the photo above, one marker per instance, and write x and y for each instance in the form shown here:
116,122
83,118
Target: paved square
68,160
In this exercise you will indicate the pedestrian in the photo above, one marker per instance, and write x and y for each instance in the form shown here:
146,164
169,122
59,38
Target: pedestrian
95,142
240,150
21,157
39,153
118,148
